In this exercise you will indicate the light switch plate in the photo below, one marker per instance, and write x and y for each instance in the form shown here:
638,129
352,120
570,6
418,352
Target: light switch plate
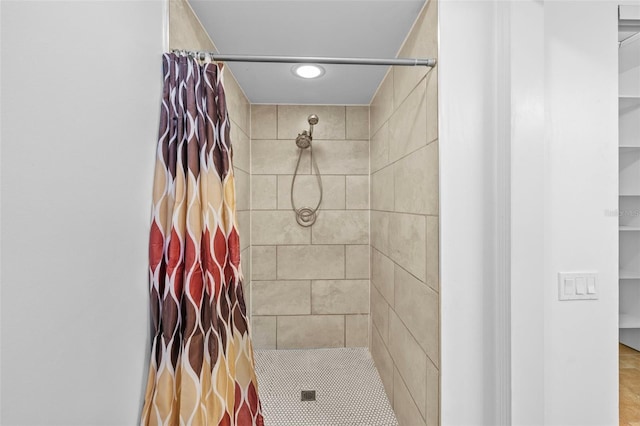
577,285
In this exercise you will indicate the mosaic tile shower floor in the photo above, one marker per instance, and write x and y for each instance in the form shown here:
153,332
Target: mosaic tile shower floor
349,391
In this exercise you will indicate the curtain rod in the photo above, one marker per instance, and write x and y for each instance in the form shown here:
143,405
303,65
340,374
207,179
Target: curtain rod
310,59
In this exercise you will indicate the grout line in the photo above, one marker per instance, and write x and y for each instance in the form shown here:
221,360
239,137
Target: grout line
277,191
370,245
409,391
406,213
346,190
406,155
276,262
345,122
310,297
345,331
308,174
344,251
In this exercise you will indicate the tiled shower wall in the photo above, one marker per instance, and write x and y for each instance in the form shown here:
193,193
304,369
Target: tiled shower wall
404,231
186,32
310,286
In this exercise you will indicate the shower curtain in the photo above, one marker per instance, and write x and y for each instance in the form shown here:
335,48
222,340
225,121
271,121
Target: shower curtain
202,366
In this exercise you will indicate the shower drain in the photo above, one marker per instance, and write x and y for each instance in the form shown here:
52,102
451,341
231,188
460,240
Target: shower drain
308,395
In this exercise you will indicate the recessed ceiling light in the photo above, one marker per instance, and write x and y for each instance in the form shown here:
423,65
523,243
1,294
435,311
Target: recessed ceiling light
308,71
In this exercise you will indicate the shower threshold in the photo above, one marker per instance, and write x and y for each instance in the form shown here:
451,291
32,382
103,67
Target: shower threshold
348,389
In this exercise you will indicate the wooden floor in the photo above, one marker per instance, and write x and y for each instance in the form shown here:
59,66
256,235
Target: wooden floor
629,386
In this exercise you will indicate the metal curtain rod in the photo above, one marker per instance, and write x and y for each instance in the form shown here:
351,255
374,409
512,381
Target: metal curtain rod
311,59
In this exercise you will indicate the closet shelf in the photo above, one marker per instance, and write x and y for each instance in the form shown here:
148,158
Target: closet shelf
629,147
628,102
629,321
627,276
629,228
629,195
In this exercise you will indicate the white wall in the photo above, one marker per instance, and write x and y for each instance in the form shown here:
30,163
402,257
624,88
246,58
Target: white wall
581,181
526,73
467,100
81,85
562,120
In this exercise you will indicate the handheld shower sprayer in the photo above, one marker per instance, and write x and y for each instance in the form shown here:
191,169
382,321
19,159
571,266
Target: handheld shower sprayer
304,139
306,216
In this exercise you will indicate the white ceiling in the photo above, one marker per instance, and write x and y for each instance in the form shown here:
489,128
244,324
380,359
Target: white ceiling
352,28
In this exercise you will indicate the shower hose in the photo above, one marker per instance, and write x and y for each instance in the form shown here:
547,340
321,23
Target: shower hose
306,216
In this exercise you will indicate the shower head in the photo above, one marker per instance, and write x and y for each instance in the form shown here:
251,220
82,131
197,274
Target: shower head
304,140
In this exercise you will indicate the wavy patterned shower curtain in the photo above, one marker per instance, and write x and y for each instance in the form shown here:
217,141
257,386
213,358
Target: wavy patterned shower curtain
202,366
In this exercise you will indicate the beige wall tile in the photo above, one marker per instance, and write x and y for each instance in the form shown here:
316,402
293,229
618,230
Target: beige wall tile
311,262
357,331
263,192
357,188
404,406
357,261
245,268
341,227
379,313
277,227
310,331
408,125
405,79
407,242
432,104
241,146
244,228
358,122
410,361
370,322
243,188
380,230
382,103
379,150
238,106
292,120
281,297
422,42
186,30
383,362
273,157
432,179
246,293
263,332
264,122
416,181
342,157
423,39
433,253
382,275
263,266
417,306
433,395
340,297
307,192
382,189
245,263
